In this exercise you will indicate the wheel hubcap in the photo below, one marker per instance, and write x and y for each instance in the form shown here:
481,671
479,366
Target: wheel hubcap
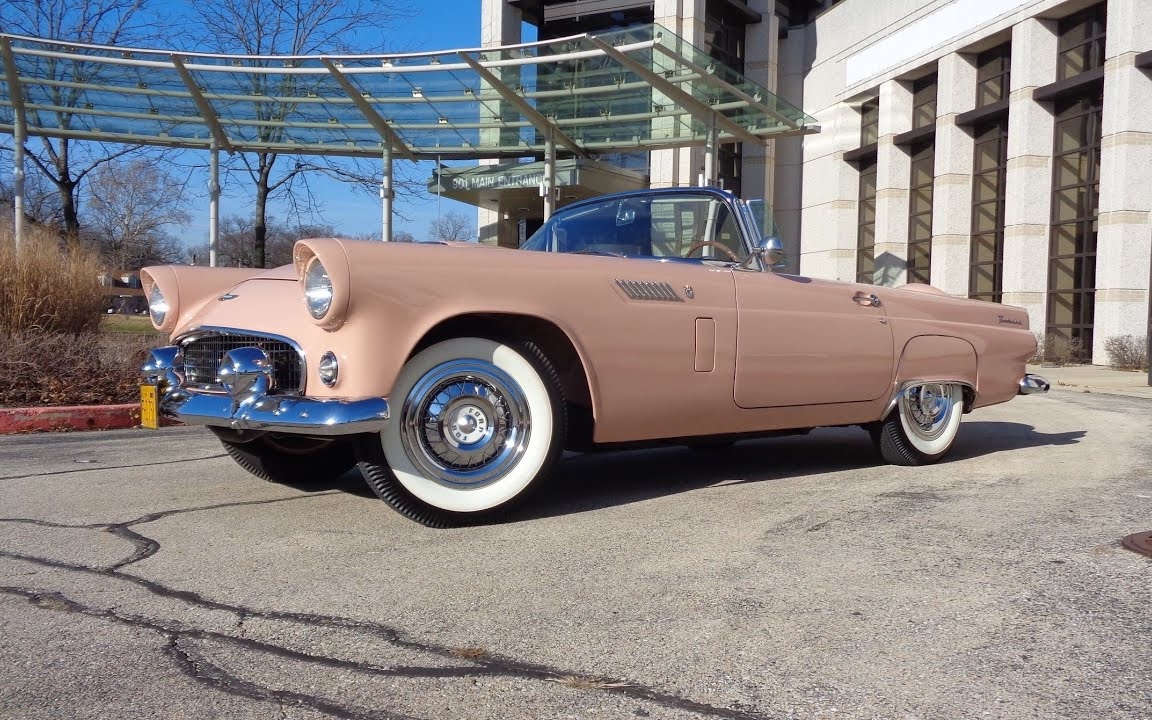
927,408
465,424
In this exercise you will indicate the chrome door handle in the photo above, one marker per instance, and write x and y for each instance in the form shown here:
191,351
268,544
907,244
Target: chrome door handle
867,299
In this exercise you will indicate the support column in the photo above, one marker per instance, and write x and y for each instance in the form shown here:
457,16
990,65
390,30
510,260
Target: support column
500,25
893,166
1125,233
1028,197
18,180
952,185
708,178
213,204
757,174
386,193
549,189
671,168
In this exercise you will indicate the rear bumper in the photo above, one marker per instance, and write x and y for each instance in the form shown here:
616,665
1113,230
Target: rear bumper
1030,384
247,403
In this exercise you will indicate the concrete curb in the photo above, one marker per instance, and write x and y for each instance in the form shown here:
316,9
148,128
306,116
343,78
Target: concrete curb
75,417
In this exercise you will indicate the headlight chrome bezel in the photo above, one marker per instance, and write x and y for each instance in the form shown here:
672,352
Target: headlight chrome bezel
158,307
323,258
318,289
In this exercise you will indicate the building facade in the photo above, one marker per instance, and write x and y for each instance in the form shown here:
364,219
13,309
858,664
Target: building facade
998,149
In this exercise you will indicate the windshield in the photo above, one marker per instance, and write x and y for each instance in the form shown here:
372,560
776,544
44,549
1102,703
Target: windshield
680,226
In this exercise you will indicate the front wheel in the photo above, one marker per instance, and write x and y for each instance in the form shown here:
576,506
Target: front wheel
478,424
922,426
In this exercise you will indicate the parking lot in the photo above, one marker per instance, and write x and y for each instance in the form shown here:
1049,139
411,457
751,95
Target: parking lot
144,575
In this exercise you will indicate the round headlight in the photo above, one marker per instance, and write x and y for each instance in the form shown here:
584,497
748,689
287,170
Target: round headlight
157,306
317,289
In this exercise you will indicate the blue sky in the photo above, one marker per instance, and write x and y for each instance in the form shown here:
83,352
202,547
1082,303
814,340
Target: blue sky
434,26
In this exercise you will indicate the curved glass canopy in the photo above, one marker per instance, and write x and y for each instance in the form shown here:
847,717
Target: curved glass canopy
642,88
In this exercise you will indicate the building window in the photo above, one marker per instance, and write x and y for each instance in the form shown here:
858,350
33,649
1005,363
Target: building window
870,122
1075,198
1081,42
920,213
924,102
866,223
986,268
993,74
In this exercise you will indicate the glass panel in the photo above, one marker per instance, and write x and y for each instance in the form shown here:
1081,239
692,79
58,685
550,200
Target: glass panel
986,186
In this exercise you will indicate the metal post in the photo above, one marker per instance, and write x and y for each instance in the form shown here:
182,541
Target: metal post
549,176
386,193
18,180
213,203
710,144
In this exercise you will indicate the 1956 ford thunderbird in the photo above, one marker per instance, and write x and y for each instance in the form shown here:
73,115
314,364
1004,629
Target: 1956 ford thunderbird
456,374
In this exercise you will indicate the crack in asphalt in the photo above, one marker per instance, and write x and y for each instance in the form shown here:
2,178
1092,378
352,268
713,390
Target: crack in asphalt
94,468
200,669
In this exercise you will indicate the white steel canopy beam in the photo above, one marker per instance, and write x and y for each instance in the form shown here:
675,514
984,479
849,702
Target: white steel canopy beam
392,141
715,81
206,110
701,111
531,114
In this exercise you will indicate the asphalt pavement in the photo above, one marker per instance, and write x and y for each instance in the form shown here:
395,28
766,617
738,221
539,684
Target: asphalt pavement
144,575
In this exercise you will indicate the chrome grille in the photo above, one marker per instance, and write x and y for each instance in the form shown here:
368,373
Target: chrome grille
203,353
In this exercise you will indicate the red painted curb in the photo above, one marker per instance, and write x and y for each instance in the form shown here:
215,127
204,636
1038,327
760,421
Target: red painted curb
76,417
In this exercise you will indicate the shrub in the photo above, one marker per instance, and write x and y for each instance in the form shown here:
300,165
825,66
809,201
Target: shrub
55,368
47,287
1127,352
1059,350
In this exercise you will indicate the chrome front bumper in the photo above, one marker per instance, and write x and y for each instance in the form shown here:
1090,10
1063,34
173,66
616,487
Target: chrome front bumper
1030,384
246,404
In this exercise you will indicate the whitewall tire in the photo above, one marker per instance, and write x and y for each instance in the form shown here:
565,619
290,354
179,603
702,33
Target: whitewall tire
475,425
924,424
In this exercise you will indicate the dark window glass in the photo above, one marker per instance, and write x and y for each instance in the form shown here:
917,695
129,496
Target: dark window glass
986,265
924,102
1080,45
869,121
1072,246
866,224
993,74
920,213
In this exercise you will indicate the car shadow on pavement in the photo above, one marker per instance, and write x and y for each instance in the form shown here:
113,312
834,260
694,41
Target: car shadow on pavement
601,480
980,437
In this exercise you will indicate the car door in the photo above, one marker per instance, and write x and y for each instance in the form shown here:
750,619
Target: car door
807,342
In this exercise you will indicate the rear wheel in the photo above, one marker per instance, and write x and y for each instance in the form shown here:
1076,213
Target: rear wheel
923,425
289,459
478,425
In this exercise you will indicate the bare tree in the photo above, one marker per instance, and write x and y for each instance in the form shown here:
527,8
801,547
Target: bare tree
235,247
65,162
292,27
131,206
451,227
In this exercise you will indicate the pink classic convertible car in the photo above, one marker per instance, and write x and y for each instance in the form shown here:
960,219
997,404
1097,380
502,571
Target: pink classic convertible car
456,374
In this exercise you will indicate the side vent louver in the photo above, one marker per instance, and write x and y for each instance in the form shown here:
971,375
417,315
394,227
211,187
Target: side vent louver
645,290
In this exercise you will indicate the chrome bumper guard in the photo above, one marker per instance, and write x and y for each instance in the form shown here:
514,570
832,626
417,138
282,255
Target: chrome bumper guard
246,374
1030,384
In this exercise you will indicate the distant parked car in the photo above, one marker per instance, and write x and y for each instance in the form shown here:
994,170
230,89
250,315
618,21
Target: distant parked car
455,375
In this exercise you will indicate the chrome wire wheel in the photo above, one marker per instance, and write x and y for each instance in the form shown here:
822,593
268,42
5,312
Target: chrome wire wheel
927,409
479,425
466,423
923,425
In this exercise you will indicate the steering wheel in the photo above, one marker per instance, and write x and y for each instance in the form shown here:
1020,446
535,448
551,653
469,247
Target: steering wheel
706,243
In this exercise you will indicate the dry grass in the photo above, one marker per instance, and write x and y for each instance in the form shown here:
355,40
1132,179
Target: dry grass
47,287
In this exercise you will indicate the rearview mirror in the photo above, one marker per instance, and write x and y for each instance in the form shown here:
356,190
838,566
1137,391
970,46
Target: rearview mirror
770,250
